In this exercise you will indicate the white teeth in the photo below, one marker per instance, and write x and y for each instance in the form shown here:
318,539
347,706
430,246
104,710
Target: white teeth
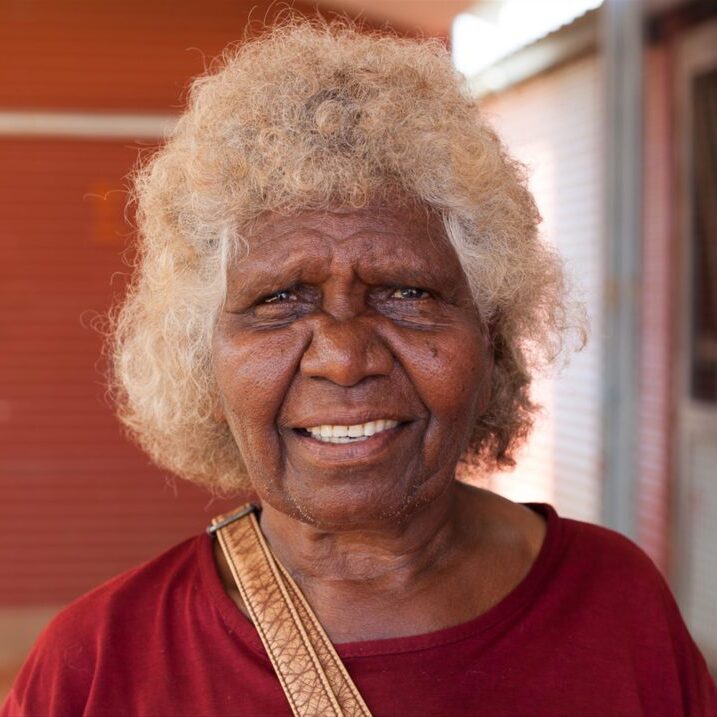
348,434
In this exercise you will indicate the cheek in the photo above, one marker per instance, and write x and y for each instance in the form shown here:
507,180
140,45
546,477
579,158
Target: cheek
451,377
253,373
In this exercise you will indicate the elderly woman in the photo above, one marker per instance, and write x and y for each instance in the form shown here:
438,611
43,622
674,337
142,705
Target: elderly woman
340,298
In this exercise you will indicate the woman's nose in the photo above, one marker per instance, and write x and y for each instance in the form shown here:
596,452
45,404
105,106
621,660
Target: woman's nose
346,351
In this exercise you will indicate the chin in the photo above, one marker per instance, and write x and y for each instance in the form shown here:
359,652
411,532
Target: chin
359,503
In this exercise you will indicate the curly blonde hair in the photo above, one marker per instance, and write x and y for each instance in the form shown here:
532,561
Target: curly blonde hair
315,115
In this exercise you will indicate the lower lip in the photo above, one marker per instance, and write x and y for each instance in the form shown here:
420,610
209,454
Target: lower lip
356,451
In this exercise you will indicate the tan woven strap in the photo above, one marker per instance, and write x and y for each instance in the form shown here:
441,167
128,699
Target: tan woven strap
311,674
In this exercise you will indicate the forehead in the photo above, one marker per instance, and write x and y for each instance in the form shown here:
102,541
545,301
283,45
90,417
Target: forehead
376,234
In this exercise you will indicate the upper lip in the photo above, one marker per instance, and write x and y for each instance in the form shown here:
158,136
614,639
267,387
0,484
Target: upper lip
349,418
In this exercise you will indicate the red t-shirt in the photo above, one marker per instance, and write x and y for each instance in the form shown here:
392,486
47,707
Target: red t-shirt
591,630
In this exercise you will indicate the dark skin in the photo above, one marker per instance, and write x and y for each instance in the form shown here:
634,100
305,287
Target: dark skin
348,317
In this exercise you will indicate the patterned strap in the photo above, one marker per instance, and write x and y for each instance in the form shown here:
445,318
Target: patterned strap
311,674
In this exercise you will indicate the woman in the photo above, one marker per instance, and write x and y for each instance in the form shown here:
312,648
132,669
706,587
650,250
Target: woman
340,296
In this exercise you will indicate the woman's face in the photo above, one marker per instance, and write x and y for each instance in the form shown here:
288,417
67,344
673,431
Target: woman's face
351,363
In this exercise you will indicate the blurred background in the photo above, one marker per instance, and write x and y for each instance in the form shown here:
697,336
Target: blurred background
612,105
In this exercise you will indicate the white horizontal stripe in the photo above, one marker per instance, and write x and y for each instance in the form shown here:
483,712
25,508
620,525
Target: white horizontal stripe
86,124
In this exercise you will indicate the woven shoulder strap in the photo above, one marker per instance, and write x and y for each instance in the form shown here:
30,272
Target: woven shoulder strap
311,674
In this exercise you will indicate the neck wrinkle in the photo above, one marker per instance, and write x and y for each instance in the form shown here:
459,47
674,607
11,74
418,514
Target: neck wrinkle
399,555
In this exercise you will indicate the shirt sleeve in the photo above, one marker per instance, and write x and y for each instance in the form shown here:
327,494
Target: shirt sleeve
698,686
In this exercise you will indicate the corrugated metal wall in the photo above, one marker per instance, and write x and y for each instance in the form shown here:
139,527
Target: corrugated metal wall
78,503
553,123
110,55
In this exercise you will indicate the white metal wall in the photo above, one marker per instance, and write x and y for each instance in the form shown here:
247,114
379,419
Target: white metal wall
552,124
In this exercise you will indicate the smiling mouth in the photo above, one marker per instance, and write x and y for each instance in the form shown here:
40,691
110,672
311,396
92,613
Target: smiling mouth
348,434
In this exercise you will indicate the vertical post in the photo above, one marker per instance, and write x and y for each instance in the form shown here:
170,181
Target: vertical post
622,55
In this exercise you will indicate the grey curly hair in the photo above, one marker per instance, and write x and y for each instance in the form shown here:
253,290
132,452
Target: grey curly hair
315,115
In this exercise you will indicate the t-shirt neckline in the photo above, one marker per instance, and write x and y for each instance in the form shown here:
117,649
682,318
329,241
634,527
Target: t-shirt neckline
517,599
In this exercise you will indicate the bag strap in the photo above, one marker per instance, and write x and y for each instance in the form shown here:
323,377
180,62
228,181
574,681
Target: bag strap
313,678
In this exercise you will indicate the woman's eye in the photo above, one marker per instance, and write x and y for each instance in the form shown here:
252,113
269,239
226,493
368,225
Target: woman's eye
409,292
279,297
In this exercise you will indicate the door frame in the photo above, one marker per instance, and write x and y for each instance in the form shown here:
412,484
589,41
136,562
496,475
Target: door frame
696,51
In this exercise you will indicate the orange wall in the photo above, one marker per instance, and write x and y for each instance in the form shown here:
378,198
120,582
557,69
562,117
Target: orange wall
79,503
112,55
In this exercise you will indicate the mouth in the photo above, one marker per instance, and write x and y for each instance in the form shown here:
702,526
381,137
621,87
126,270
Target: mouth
356,433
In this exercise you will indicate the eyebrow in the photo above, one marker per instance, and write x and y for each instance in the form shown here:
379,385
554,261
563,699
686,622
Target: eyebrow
268,275
403,274
262,282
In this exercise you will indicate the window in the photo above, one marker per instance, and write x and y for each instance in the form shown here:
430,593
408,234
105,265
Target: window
703,289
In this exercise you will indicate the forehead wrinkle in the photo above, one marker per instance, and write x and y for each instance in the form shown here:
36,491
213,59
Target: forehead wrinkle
298,235
287,238
366,261
404,266
272,226
267,273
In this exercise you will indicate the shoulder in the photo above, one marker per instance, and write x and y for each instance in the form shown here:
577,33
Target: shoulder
604,543
582,560
59,672
624,601
595,568
624,570
138,591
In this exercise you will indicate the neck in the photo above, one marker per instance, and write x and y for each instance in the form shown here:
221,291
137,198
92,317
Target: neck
447,563
389,555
